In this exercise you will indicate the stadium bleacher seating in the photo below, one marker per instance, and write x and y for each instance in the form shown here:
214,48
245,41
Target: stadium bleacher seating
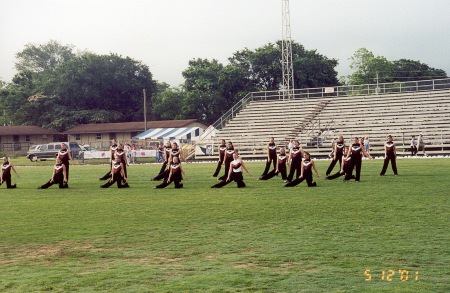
315,121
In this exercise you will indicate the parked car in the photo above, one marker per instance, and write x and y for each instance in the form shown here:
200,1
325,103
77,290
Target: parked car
49,150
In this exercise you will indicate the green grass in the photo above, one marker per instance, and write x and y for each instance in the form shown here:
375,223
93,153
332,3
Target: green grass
260,238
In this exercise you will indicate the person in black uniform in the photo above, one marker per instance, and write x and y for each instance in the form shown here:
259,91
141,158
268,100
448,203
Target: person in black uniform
235,173
296,160
117,174
65,155
221,150
271,156
6,173
228,158
175,175
355,152
390,154
112,149
338,153
176,152
59,176
282,159
306,172
163,172
122,154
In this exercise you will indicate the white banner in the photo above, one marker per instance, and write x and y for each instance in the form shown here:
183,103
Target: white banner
107,154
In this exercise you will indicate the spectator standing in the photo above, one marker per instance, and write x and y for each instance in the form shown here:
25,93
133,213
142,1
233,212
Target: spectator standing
367,145
133,153
421,144
413,146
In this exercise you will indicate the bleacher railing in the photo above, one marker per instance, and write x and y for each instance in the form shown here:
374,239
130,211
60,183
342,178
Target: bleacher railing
336,91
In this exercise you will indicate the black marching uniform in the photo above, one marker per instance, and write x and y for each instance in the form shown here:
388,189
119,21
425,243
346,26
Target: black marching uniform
355,162
116,177
123,160
222,150
6,175
58,178
281,168
236,175
296,161
63,155
307,175
390,156
228,159
339,153
175,178
272,158
167,150
165,173
108,174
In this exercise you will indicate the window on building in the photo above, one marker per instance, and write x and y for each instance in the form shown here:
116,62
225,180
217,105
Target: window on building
99,136
27,138
77,136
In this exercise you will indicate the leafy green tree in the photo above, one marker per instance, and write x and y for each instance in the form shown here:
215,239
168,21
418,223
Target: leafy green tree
264,68
168,104
44,57
87,88
405,69
368,68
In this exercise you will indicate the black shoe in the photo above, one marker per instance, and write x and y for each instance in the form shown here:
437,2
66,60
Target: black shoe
381,174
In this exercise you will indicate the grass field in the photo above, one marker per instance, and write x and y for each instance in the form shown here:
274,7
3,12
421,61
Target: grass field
262,238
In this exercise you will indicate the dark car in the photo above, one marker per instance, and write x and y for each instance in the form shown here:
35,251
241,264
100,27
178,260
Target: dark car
49,150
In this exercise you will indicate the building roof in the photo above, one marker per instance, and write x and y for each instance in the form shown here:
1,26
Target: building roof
24,130
130,126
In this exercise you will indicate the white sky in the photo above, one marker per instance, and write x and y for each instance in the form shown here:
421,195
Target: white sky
166,34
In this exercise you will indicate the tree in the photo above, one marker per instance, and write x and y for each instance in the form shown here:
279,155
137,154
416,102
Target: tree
368,68
168,104
264,68
88,88
40,58
405,69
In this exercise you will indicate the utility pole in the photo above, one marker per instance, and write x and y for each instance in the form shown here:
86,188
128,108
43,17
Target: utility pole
145,110
286,53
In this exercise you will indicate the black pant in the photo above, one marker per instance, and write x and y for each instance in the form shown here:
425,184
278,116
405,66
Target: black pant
295,168
333,163
271,174
227,168
108,174
59,179
219,166
413,150
161,175
386,163
7,178
176,179
67,170
296,181
354,164
235,176
272,159
163,167
116,178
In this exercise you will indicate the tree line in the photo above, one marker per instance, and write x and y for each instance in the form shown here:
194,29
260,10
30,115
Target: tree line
57,87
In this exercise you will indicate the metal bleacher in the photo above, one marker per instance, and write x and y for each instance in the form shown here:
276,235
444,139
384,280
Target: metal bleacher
315,116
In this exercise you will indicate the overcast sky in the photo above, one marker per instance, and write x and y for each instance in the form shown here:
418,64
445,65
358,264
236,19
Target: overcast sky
166,34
